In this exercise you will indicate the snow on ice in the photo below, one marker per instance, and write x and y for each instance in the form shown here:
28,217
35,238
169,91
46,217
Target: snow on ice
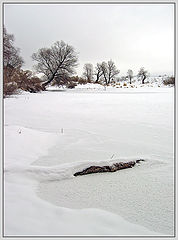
42,197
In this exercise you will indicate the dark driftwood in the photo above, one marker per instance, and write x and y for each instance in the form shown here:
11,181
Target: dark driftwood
113,168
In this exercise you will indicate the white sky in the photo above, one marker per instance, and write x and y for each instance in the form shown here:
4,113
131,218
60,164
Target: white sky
132,35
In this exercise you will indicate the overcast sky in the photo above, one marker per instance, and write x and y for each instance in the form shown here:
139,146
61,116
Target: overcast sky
132,35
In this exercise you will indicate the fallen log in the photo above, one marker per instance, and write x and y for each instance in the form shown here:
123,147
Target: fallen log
113,168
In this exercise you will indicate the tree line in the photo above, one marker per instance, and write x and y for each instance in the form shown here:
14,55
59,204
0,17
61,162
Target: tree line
107,72
57,64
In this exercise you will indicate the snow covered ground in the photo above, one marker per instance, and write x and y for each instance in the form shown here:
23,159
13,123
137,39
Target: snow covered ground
51,135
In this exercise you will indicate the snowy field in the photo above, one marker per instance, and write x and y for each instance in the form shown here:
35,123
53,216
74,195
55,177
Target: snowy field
51,135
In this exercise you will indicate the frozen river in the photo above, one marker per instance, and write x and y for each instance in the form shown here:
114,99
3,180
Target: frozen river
91,125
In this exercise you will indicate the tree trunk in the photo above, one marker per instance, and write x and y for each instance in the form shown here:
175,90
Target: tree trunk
97,78
47,82
52,77
143,80
109,79
105,80
50,80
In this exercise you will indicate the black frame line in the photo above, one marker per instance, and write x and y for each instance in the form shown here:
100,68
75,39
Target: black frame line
175,128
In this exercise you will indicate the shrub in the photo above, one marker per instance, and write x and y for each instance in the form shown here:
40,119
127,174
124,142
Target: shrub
20,79
71,85
82,81
9,89
27,82
125,84
169,81
9,85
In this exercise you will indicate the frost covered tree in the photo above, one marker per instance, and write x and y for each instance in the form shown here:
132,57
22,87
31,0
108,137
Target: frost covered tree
109,71
130,75
60,58
88,72
142,74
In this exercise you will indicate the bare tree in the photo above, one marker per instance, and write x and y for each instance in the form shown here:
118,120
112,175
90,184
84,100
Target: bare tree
130,75
98,72
112,71
104,68
56,60
142,74
109,71
11,58
88,72
12,62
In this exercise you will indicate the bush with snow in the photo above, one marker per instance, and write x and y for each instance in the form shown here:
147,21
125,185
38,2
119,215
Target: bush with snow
169,81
